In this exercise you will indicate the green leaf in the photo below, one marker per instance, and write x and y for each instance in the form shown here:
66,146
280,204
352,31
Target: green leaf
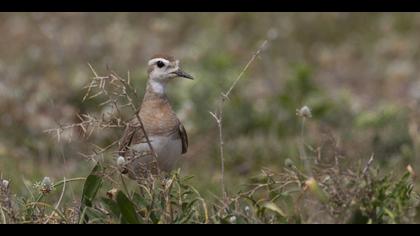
185,219
389,213
92,185
127,209
273,207
90,189
94,215
112,206
186,206
139,200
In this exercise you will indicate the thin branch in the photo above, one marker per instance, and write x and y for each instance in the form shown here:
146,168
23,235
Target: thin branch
218,115
367,166
218,119
145,135
88,123
263,45
136,112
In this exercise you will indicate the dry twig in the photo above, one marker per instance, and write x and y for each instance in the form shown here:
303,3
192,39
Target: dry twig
218,115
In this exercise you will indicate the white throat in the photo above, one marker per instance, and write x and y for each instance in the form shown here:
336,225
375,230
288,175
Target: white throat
157,86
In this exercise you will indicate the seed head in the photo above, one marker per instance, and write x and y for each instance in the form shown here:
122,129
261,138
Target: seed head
121,165
120,161
304,112
232,219
46,185
5,184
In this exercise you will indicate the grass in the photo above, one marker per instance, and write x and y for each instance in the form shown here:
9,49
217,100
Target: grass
298,193
340,195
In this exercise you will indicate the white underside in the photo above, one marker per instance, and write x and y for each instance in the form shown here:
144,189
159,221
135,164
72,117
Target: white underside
168,150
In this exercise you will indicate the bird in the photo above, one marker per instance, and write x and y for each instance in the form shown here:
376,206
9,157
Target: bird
160,142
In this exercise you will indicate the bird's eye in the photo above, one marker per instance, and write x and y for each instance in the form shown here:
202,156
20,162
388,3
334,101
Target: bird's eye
160,64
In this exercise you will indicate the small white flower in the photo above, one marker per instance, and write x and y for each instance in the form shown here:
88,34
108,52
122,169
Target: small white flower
304,112
120,161
247,209
232,219
46,185
5,183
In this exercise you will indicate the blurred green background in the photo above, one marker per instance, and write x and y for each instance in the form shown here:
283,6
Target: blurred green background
358,72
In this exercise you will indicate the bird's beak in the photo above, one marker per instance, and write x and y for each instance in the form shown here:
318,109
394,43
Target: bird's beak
183,74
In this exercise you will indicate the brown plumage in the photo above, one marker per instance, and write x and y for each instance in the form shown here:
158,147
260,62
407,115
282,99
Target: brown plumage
158,118
166,133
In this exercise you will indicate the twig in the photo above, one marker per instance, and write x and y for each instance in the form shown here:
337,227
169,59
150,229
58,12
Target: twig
218,119
88,124
263,45
218,115
367,166
125,85
146,136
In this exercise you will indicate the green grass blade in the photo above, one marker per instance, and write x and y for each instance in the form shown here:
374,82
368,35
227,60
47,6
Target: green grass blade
127,209
91,187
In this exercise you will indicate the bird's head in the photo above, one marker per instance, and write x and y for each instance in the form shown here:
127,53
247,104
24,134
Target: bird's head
162,69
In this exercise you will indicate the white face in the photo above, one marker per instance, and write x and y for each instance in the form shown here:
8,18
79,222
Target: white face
162,70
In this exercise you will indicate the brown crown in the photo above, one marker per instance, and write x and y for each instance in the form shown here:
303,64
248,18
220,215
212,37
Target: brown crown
167,57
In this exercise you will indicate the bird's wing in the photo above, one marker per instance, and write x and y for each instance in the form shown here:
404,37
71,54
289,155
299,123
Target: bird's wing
184,138
132,131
